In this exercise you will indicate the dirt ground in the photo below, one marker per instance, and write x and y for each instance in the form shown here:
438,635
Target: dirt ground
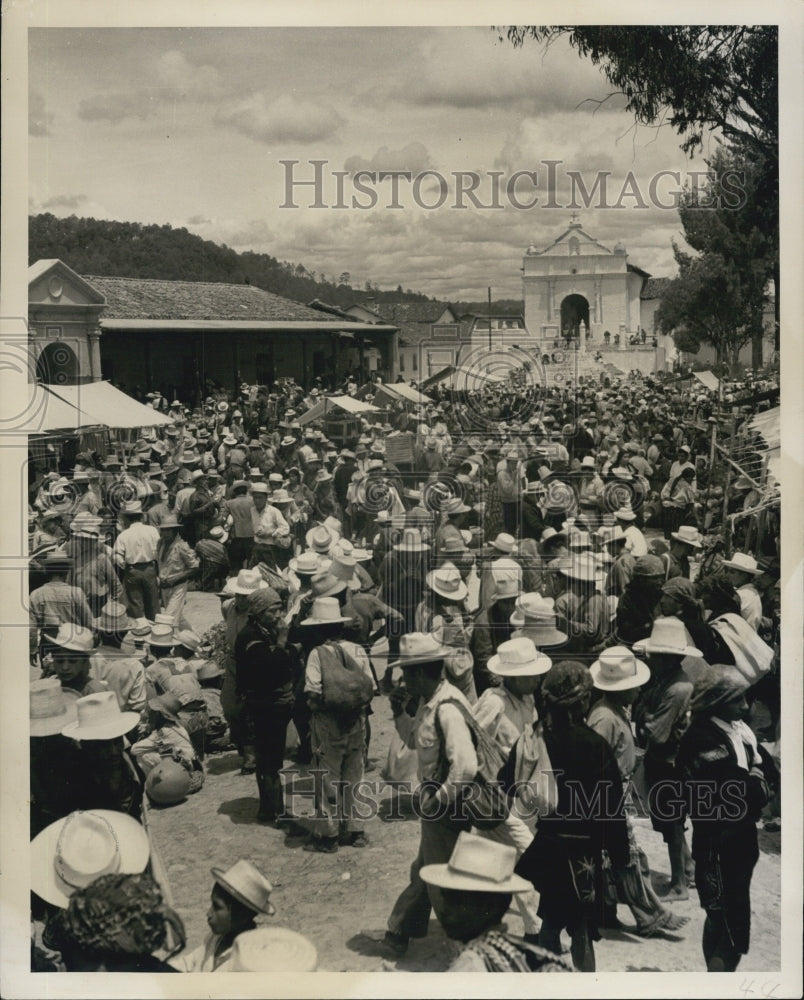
333,897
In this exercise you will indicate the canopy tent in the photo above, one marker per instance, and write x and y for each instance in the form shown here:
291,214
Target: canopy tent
333,404
769,425
101,404
473,379
709,379
46,413
397,391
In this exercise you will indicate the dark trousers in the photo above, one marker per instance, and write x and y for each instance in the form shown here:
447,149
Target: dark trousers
270,733
240,552
510,513
141,591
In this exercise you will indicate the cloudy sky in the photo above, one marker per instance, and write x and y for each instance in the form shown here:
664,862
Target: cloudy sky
188,126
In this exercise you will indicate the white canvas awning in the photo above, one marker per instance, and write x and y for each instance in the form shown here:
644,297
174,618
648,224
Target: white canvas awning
94,404
709,379
330,404
400,391
769,425
101,403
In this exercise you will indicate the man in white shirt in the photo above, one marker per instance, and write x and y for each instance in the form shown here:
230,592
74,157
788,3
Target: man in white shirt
415,708
269,525
135,554
635,540
741,571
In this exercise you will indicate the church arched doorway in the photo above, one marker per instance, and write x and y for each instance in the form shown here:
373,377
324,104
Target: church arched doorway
574,309
57,365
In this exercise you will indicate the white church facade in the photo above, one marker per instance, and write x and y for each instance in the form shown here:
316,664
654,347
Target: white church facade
578,288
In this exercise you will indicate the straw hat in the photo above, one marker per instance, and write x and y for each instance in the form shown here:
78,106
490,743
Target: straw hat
324,584
507,577
667,636
742,562
618,669
325,611
446,582
689,535
52,707
76,638
582,567
343,567
246,582
411,541
161,635
75,850
208,670
113,618
452,546
99,718
273,949
320,539
187,639
419,647
477,865
609,534
519,658
454,505
133,506
535,617
281,497
345,547
306,563
504,543
625,513
260,488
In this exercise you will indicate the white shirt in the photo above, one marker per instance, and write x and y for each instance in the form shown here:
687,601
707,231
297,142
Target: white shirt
136,544
636,543
269,523
750,604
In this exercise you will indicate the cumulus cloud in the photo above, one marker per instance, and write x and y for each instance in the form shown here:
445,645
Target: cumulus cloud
39,118
177,77
198,220
172,78
284,119
413,158
483,72
256,235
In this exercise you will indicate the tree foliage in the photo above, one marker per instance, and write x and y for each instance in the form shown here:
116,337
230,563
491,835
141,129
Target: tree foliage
719,296
694,77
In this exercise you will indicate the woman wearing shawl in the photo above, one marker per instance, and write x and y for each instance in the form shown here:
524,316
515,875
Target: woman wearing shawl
720,750
568,845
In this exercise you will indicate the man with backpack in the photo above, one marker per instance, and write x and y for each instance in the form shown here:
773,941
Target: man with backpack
431,716
339,686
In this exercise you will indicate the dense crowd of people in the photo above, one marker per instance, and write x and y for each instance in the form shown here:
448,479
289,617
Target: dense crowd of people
542,593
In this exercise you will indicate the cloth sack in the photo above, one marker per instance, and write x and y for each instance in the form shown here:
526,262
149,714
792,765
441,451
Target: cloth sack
346,689
485,805
752,655
536,783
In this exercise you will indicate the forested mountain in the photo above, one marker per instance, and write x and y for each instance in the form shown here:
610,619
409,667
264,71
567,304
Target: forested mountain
136,250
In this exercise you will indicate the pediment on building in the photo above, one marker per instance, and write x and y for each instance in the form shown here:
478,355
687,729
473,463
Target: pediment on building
574,241
53,283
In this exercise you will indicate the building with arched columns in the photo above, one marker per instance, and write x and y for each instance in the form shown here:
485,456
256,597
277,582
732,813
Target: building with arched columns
577,286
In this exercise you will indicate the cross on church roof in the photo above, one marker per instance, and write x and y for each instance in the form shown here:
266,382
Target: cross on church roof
574,218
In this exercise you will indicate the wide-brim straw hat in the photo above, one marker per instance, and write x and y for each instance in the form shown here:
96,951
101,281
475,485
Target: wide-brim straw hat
246,582
273,949
519,657
447,583
98,717
617,669
477,864
411,541
129,852
744,563
689,535
419,647
325,611
52,707
247,885
668,635
113,618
